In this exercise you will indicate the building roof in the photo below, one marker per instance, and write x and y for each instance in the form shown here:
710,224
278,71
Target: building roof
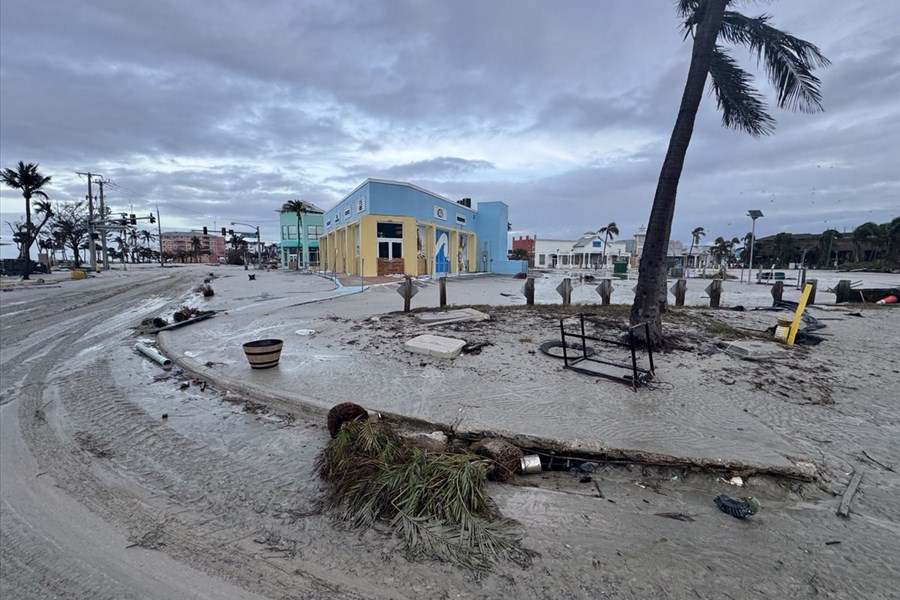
310,208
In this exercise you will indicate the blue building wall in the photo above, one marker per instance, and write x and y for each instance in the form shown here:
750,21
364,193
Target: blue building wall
492,230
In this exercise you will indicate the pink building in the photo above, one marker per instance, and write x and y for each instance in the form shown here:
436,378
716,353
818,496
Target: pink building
178,244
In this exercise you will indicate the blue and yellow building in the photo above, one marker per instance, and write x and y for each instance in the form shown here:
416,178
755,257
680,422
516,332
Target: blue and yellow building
396,228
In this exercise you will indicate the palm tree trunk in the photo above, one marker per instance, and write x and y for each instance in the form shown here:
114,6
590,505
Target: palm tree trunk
299,250
26,244
650,294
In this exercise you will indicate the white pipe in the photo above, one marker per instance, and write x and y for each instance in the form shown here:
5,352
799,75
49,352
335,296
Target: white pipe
154,356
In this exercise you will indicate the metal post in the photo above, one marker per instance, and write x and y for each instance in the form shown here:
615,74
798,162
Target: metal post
778,291
442,285
754,215
162,261
103,217
812,292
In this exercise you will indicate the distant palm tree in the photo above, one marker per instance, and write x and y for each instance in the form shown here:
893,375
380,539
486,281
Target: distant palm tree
826,243
867,233
28,179
610,231
789,63
196,245
299,208
696,234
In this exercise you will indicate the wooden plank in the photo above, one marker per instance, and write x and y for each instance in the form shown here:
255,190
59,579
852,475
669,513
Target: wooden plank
199,317
844,509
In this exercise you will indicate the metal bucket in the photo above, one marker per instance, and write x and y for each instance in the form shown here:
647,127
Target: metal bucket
263,354
530,463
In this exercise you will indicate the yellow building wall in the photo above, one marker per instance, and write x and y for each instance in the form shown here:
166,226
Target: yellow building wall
339,246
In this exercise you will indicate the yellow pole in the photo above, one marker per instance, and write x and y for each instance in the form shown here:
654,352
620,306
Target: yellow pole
795,325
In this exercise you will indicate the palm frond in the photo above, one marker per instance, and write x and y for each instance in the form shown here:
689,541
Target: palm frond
436,502
741,104
789,60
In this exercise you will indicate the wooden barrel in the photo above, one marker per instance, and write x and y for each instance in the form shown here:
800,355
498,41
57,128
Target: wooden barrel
263,354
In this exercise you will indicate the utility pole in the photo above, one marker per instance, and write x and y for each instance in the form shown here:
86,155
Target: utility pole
100,182
162,261
90,199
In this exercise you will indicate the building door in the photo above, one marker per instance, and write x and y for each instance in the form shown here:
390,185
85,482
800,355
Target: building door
441,252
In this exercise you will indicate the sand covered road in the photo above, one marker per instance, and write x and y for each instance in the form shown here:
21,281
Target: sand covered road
103,498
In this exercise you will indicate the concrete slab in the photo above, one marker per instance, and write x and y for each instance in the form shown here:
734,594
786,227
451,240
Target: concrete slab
435,345
451,316
756,350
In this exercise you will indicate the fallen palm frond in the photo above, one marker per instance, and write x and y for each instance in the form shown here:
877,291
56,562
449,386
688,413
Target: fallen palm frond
436,502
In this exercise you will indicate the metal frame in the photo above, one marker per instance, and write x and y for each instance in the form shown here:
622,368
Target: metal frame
638,377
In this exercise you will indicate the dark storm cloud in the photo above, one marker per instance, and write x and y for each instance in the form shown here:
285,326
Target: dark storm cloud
225,110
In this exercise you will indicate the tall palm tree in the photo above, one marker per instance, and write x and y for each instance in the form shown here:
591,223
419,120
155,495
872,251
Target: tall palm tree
133,239
30,181
789,63
826,242
610,231
299,208
696,234
196,246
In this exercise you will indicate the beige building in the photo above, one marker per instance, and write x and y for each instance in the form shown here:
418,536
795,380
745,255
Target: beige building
180,244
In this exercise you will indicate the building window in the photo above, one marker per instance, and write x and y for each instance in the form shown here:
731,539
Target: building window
289,232
390,240
461,219
542,259
361,204
347,213
313,232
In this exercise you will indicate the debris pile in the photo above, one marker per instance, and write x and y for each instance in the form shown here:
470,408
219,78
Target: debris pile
435,501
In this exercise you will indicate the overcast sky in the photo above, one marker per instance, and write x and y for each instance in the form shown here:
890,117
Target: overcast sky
222,111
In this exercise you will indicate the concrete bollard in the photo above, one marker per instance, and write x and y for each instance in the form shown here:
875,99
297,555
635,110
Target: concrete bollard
442,284
605,290
679,290
812,292
529,291
714,289
777,291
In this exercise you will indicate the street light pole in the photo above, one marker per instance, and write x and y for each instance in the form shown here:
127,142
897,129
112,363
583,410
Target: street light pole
754,215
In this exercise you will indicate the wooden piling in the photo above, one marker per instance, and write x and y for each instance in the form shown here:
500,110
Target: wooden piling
842,291
812,293
714,289
605,291
442,285
407,293
529,291
778,291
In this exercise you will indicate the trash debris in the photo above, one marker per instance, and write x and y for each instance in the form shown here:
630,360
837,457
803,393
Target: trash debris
252,276
307,332
844,509
435,345
588,467
475,347
739,509
165,416
892,299
530,464
505,458
459,315
736,481
155,356
159,322
676,516
554,348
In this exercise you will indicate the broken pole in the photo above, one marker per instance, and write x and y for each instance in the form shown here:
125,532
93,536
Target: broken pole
842,291
812,293
714,289
605,291
777,291
442,285
529,291
679,290
564,289
844,509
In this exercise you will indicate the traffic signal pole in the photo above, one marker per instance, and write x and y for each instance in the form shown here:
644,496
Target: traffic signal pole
162,261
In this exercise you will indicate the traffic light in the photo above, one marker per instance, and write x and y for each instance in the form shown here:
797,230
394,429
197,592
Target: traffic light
224,233
205,232
132,219
152,218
